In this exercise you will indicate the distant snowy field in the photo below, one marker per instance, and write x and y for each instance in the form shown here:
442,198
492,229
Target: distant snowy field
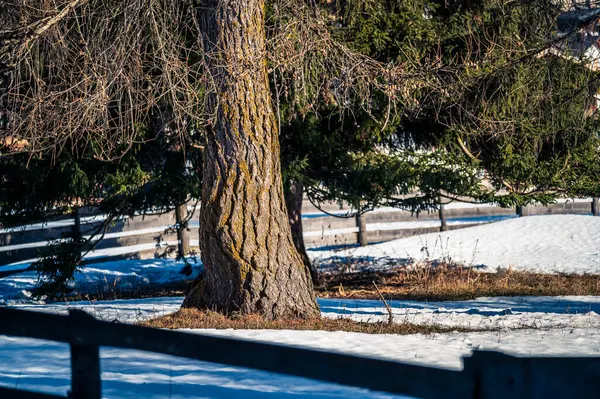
545,243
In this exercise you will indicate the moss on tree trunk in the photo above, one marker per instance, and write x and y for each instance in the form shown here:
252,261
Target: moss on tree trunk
251,264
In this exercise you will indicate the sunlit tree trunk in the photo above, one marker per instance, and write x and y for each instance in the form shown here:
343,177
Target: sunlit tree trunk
251,264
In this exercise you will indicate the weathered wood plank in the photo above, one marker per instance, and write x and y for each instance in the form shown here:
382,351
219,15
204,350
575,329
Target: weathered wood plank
10,393
85,365
498,375
317,223
85,372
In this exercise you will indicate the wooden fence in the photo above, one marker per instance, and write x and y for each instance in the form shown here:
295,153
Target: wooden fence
485,374
140,236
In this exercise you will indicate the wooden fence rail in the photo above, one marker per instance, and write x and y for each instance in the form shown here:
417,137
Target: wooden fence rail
486,374
141,236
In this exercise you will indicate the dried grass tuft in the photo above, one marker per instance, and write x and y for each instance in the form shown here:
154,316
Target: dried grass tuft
193,318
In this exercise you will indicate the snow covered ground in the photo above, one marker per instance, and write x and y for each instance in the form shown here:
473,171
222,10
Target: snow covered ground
545,243
570,328
107,277
552,243
482,313
42,366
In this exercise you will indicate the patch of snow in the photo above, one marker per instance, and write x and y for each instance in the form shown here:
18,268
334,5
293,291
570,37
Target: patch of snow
499,313
546,243
101,253
107,277
482,313
124,311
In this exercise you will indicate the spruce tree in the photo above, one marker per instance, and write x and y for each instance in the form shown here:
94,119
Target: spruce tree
435,75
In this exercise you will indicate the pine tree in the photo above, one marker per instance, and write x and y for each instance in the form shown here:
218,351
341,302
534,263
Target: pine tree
433,74
416,160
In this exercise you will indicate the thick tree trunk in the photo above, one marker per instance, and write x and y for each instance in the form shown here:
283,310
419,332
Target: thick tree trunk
293,201
250,262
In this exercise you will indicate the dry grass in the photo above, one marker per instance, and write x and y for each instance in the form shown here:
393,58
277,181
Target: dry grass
443,283
432,283
192,318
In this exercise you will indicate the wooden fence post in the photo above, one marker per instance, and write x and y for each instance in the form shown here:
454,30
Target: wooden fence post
76,224
442,213
522,211
85,365
361,223
183,235
595,207
85,378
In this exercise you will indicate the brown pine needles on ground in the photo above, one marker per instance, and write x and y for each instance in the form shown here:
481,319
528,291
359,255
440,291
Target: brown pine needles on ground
423,283
451,283
193,318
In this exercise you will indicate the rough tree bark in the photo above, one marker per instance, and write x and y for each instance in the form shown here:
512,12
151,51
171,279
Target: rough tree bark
293,201
250,262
